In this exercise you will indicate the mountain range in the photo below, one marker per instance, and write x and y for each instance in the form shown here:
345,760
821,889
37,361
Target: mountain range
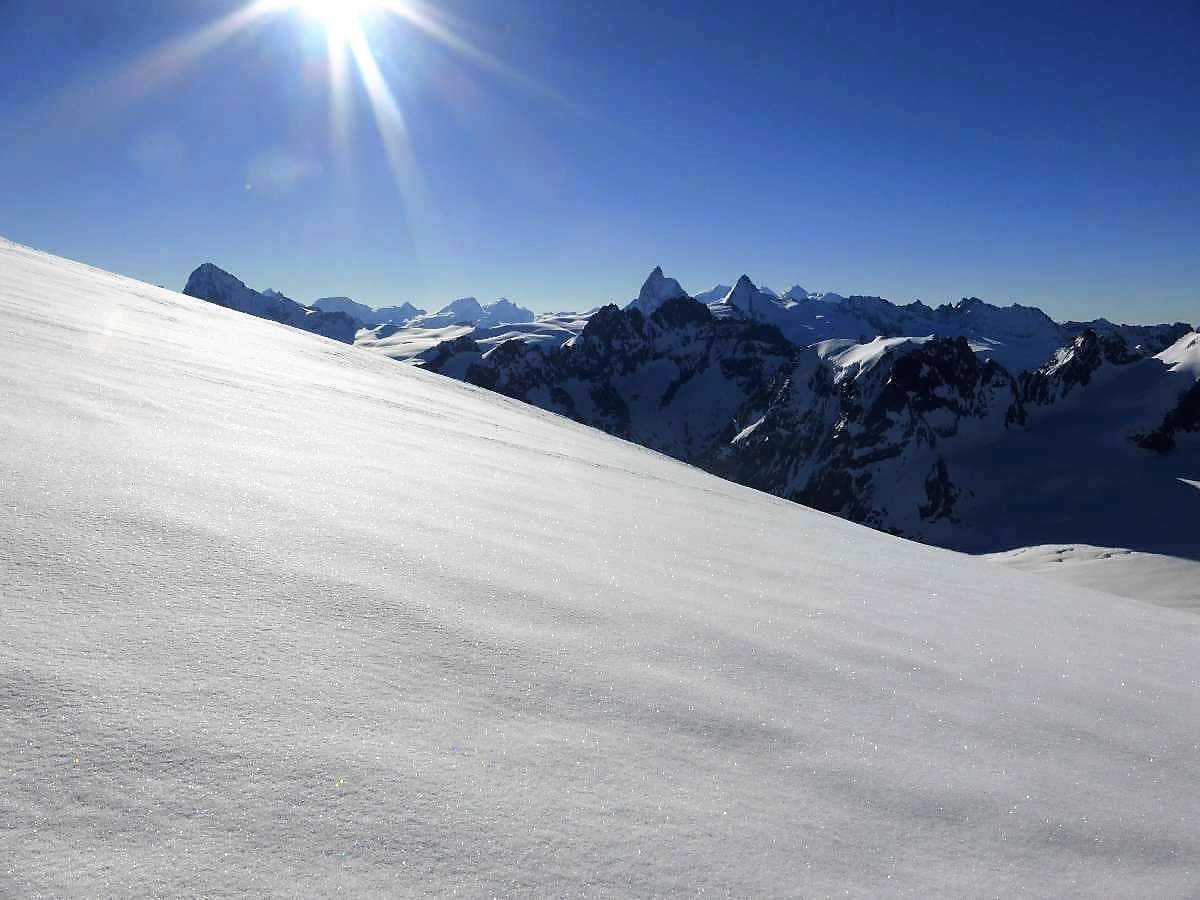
341,318
971,426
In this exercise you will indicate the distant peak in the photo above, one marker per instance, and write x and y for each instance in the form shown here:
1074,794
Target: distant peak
742,295
209,281
212,270
462,303
713,294
658,287
657,290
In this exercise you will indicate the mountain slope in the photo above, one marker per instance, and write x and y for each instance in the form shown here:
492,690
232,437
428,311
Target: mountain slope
208,282
675,380
281,616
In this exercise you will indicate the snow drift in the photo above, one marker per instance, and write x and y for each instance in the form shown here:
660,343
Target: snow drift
282,616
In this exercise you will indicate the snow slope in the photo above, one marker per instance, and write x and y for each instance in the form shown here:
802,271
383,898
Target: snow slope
1150,577
281,616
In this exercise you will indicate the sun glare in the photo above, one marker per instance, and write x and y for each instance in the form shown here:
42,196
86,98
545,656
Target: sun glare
358,42
339,16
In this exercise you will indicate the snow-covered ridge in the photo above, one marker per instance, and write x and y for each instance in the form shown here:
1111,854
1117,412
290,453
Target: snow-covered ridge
281,616
208,282
341,317
388,315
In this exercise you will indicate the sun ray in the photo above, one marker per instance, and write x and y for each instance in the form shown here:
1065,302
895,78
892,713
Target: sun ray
389,118
433,24
339,95
96,97
158,68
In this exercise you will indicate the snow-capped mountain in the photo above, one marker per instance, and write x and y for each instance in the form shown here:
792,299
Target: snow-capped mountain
794,294
656,290
281,616
469,311
217,286
747,300
888,431
673,381
901,417
388,315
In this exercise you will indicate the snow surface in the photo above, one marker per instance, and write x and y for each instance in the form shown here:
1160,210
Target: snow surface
281,616
1150,577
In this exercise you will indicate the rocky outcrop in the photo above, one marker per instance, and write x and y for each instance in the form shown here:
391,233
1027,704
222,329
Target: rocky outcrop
859,440
1074,366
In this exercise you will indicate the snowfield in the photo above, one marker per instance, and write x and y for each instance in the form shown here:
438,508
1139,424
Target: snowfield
1149,577
281,616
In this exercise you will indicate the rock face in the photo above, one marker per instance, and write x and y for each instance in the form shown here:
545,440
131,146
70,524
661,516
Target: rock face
1075,365
677,380
208,282
864,435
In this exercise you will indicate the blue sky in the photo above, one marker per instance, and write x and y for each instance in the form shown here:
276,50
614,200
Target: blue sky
910,150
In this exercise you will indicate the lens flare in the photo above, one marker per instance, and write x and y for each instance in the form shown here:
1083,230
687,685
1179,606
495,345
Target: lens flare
340,17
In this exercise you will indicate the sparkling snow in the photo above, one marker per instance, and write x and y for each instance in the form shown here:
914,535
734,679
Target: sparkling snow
281,616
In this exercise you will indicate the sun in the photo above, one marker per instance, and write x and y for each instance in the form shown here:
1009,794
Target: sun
340,17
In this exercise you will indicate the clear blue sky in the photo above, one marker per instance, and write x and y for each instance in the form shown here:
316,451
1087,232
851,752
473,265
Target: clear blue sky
1040,153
